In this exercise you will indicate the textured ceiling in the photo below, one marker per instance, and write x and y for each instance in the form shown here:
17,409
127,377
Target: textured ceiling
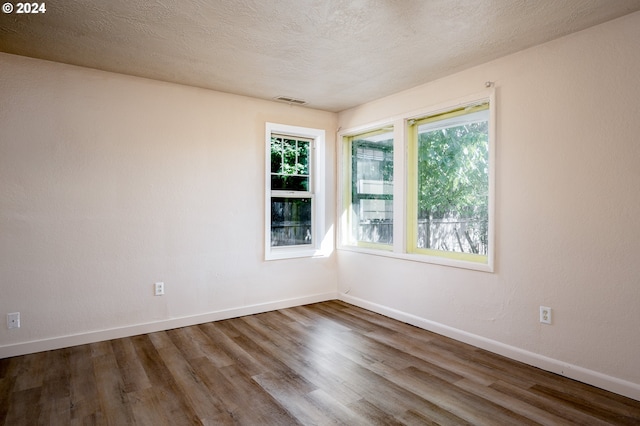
334,54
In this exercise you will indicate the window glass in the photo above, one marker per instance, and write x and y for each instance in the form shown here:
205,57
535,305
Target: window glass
453,181
371,192
291,221
290,164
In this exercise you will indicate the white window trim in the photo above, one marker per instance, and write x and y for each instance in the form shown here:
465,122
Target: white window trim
399,123
320,243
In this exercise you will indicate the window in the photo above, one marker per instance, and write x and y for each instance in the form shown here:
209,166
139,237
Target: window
421,187
369,198
295,200
449,157
291,198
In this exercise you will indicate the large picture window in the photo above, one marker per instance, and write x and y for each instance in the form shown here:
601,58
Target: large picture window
295,193
449,156
420,187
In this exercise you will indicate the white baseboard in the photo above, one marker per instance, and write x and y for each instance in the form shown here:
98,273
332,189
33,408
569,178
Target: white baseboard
594,378
150,327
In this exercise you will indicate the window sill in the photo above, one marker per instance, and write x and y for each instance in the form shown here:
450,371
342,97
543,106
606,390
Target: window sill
422,258
284,253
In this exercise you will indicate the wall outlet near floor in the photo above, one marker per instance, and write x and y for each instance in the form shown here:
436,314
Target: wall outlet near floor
13,320
159,289
545,314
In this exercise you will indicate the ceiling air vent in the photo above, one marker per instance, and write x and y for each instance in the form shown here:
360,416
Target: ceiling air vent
290,100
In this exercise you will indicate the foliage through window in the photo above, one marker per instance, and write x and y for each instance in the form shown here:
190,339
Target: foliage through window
452,188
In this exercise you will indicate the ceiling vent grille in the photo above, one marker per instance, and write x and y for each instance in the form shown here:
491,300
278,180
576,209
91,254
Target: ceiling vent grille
290,100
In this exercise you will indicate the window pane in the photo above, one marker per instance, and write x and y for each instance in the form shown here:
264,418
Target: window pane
289,183
453,182
276,155
290,221
372,187
302,158
290,164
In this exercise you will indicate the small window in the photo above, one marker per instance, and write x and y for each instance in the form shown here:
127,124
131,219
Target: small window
291,215
295,199
369,199
449,157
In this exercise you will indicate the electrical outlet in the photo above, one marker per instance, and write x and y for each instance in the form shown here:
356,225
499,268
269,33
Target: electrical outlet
159,289
13,320
545,315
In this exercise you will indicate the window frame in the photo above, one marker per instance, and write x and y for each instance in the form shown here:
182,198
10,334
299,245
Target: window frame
315,192
403,206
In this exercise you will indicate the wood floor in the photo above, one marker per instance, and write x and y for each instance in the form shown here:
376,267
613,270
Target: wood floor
327,363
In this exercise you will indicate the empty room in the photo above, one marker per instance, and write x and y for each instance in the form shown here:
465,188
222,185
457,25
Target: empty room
320,212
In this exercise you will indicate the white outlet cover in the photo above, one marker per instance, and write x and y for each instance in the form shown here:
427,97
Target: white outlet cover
159,288
13,320
545,314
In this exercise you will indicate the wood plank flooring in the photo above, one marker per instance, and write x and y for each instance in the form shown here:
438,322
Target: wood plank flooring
326,363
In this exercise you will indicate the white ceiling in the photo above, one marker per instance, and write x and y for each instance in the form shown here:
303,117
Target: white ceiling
334,54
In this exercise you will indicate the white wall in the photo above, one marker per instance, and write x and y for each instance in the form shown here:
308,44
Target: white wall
568,213
109,183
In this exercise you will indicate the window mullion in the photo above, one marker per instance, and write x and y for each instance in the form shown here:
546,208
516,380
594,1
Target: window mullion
411,185
399,186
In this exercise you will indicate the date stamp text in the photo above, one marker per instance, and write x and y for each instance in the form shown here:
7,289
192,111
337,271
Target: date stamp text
24,8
